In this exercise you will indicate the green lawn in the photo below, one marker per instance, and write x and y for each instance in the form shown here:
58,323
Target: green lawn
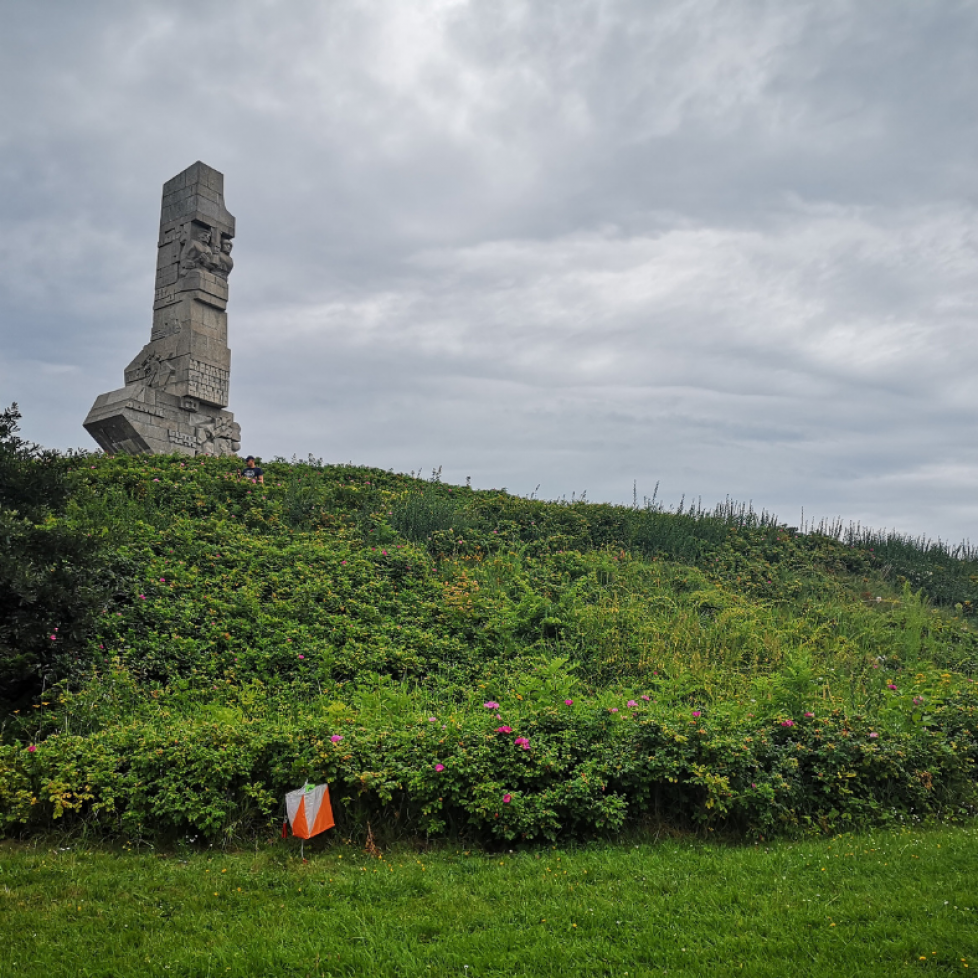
883,903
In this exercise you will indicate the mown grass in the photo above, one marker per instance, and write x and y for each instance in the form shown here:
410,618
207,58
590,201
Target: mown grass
900,901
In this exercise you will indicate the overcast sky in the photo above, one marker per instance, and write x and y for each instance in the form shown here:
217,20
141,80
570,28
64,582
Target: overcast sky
726,246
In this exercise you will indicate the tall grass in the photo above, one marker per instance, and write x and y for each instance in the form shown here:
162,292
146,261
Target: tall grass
692,533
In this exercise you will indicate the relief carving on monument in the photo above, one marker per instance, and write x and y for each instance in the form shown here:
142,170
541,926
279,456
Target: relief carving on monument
218,436
157,371
223,263
196,251
169,326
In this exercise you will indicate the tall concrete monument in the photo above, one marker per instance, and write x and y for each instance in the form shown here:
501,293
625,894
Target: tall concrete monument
176,389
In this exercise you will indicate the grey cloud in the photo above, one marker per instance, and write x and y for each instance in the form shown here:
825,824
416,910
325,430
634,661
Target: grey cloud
728,246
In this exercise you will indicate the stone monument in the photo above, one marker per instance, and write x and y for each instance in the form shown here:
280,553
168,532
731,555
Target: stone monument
176,389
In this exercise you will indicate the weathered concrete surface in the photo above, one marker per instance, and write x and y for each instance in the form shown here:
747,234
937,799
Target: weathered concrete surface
177,386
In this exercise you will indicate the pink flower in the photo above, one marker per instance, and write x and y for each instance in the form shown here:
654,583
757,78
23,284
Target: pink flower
162,580
891,685
491,705
631,703
343,562
301,656
697,713
809,715
522,742
787,723
917,700
432,719
873,736
504,729
142,597
614,709
336,738
646,698
439,767
568,702
507,798
31,749
54,638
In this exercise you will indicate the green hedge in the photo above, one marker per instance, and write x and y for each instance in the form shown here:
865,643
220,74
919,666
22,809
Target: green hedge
567,769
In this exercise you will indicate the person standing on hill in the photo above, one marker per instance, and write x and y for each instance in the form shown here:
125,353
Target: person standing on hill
252,472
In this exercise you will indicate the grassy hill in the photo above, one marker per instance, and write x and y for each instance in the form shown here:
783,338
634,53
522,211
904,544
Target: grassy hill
181,647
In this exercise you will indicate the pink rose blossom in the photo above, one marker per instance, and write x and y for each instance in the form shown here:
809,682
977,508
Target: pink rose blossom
432,719
439,767
507,798
787,723
522,742
504,729
646,698
31,749
336,738
491,705
568,702
809,715
873,736
697,713
631,703
891,685
301,656
614,709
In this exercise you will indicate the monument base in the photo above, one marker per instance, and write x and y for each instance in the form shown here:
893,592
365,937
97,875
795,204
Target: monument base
137,419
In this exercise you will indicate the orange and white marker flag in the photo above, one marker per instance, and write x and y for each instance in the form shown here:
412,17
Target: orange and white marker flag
309,810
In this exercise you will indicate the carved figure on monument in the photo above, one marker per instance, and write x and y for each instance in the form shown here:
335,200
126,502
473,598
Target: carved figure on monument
197,251
223,262
218,436
157,371
176,388
169,324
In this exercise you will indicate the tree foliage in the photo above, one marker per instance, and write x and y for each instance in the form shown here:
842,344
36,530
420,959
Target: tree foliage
48,569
